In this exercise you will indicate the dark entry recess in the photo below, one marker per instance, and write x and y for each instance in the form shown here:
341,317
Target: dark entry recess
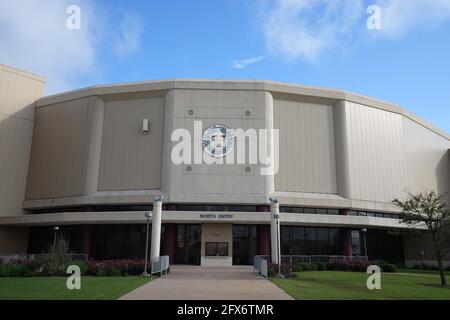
188,244
244,244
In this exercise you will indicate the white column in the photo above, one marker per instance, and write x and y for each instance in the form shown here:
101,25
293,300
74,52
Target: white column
156,228
275,231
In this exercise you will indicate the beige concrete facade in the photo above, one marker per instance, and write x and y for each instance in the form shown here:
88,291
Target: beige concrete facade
419,251
19,91
13,240
355,152
217,232
337,150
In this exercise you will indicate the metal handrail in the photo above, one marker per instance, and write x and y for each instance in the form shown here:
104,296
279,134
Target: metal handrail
260,265
160,265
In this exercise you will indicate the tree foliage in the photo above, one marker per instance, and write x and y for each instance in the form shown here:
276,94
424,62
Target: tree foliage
427,211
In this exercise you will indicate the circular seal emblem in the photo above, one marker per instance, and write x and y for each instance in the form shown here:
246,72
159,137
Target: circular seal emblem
218,140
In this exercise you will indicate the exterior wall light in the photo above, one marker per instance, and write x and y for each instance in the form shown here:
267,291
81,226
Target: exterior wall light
145,126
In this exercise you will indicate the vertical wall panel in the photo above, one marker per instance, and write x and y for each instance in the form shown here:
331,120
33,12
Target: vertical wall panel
60,151
18,92
376,160
307,147
131,160
428,160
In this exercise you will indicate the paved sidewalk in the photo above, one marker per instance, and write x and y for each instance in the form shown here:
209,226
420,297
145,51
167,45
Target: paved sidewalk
208,283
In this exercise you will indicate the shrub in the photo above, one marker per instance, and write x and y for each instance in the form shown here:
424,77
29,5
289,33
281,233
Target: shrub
4,270
306,266
101,273
96,268
381,263
297,268
115,267
321,266
272,270
114,272
286,270
55,267
356,266
81,264
18,268
389,268
135,267
435,268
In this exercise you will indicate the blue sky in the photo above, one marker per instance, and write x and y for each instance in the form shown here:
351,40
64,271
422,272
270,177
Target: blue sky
312,42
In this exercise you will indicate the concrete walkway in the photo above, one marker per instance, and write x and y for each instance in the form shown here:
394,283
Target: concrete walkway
208,283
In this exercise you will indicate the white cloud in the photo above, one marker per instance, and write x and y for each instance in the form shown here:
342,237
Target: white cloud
34,37
242,64
399,16
130,30
307,28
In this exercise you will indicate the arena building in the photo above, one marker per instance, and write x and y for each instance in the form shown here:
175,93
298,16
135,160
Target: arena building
89,161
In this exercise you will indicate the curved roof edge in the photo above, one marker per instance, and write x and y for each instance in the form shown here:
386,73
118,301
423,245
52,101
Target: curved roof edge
221,84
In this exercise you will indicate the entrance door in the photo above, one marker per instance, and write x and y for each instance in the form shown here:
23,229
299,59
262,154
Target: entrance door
244,244
188,244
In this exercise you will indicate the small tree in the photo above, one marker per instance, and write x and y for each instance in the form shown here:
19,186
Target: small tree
57,252
427,210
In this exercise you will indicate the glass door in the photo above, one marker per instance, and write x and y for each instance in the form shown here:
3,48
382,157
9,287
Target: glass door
244,244
188,244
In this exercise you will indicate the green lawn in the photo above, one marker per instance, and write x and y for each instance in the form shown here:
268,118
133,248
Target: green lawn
336,285
419,271
54,288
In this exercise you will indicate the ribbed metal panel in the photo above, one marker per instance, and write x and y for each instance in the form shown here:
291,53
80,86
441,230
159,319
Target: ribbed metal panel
131,160
60,149
376,158
18,92
428,162
307,147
